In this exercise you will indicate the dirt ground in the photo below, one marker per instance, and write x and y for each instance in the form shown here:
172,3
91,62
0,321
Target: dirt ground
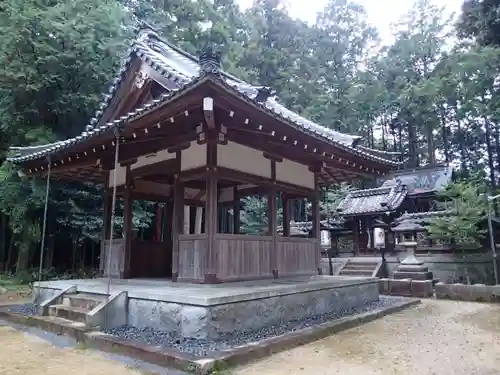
23,354
435,338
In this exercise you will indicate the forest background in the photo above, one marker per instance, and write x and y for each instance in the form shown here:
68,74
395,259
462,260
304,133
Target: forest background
431,95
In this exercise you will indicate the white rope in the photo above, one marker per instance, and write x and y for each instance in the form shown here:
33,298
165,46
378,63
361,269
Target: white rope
111,226
44,225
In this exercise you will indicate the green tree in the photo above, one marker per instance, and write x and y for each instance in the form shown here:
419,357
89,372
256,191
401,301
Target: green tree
466,226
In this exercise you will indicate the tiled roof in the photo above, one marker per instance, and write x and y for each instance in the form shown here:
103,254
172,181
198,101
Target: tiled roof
183,70
422,180
373,201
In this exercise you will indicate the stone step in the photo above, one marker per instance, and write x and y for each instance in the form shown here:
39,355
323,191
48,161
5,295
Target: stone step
366,263
73,313
357,266
83,300
61,326
349,272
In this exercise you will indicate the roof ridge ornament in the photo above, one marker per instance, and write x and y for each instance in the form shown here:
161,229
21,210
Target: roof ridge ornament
210,61
264,93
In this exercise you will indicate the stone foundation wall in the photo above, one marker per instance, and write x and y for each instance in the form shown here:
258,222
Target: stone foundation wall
447,268
462,292
211,322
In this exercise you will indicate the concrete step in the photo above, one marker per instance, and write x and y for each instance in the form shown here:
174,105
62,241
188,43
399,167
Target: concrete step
73,313
358,266
83,300
348,272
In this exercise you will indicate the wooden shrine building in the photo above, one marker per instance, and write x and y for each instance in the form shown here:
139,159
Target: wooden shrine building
405,191
177,129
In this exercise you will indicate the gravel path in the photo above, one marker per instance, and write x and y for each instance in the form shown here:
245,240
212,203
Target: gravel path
435,338
202,348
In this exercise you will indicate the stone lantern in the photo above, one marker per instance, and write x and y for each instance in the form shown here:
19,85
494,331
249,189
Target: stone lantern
410,267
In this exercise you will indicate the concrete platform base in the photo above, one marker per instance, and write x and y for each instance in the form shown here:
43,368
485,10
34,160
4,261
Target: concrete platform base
211,311
206,365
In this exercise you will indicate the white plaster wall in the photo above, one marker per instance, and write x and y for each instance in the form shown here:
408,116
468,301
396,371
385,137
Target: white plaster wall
294,173
243,159
193,157
142,161
155,158
120,176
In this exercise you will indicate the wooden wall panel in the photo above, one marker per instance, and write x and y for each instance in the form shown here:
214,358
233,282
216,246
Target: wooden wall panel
298,256
242,257
193,250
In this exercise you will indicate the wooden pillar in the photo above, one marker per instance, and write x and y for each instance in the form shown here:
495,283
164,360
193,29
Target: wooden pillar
127,222
187,219
198,220
272,225
211,212
355,234
177,224
106,223
271,220
316,221
286,204
236,211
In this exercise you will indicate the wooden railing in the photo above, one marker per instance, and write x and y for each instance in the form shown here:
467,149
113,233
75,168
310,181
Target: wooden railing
298,256
245,257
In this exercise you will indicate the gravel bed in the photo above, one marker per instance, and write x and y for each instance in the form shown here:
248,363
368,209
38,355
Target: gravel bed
29,309
201,347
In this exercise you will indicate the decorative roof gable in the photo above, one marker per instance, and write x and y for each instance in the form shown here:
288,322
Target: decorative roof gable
183,71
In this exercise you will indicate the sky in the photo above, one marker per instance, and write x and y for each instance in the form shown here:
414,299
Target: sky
381,13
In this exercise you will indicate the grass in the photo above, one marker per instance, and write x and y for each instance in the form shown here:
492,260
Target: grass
12,289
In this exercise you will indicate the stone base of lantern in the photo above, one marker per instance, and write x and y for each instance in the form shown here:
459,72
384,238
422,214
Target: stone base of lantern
412,272
412,268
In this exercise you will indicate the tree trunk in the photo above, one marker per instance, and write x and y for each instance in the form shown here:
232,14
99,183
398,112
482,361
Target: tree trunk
23,257
73,255
3,241
49,252
489,152
8,263
430,145
444,135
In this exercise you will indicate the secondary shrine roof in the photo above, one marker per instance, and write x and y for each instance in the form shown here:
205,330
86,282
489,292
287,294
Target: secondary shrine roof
372,201
421,180
394,189
183,71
